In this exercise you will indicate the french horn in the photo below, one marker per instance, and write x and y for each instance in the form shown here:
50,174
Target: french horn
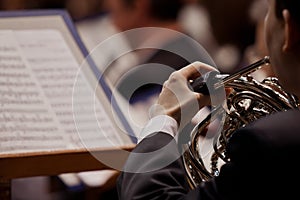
249,101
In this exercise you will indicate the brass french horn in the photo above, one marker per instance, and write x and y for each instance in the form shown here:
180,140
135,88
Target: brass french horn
249,101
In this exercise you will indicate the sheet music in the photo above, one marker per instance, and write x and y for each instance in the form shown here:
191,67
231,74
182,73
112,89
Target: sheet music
38,74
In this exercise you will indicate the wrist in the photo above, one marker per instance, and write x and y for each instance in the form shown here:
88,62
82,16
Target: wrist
160,123
157,110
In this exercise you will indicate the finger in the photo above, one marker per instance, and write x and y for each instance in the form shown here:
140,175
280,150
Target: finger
195,70
203,100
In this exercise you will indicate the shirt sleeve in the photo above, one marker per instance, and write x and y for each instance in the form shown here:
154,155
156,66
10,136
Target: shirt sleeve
161,123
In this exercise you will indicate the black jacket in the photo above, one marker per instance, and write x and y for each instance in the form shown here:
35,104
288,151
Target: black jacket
264,165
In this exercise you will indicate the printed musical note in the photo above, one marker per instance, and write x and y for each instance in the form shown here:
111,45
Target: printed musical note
46,102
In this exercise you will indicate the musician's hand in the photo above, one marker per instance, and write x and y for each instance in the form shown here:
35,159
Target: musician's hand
177,99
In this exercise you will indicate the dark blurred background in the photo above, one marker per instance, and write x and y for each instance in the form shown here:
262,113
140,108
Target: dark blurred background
230,23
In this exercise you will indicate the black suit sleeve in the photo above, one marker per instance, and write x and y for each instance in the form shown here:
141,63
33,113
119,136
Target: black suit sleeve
261,167
167,181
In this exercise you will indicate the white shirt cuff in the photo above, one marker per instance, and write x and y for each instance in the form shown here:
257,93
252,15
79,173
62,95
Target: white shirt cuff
160,123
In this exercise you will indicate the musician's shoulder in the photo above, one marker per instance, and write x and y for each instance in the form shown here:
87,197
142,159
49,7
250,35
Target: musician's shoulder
281,123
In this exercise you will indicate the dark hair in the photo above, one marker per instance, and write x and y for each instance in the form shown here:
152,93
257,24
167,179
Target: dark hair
162,9
129,2
292,5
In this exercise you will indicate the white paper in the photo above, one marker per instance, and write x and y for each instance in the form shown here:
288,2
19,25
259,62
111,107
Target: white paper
38,74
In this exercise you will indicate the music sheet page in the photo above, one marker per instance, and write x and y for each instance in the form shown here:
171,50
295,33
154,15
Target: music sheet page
39,82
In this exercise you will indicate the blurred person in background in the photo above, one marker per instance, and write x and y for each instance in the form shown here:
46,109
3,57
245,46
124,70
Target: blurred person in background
162,15
232,31
258,49
224,29
138,74
82,10
195,20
